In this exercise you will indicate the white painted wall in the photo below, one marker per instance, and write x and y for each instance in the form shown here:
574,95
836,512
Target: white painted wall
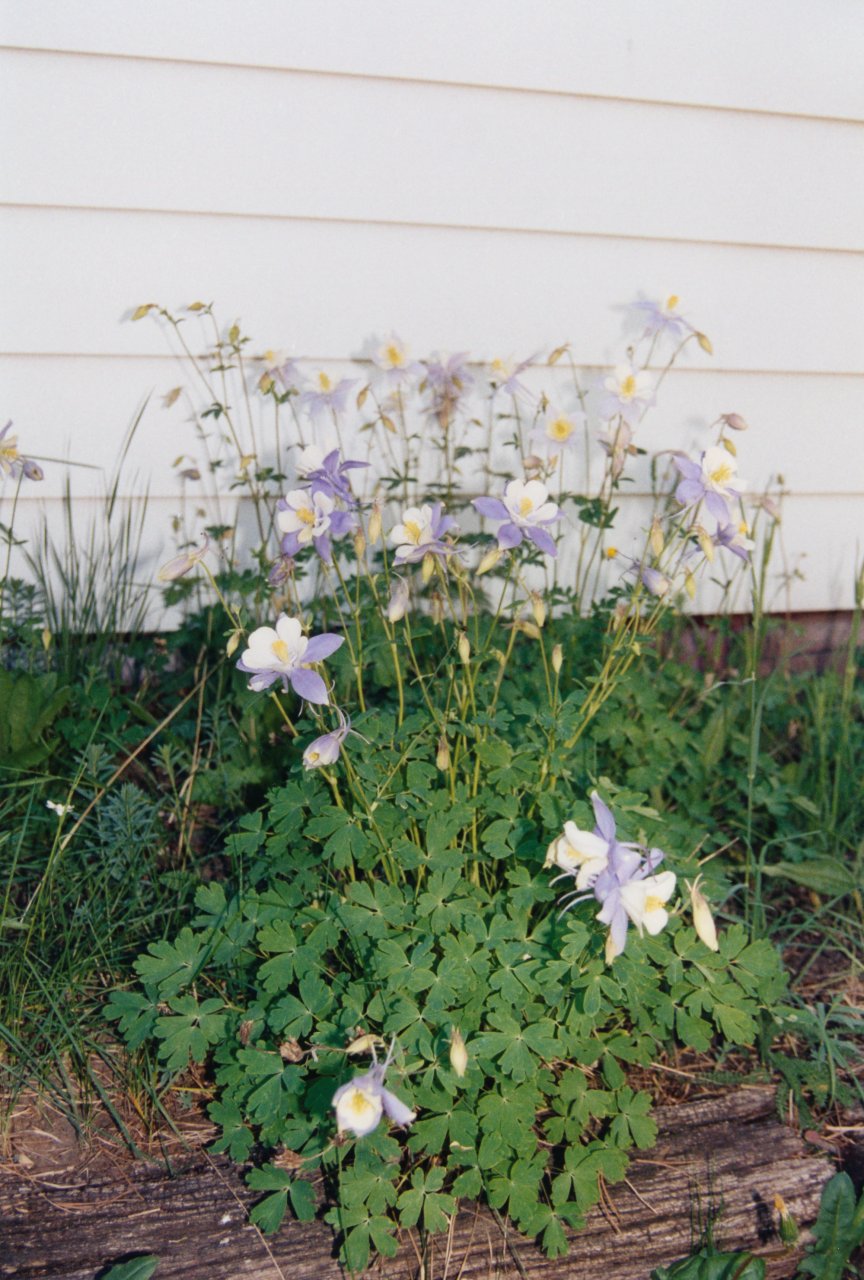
495,177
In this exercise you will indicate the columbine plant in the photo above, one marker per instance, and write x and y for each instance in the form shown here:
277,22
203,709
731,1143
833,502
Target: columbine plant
439,534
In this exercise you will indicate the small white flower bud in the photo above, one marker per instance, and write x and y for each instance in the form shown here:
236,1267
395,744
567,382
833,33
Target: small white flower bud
489,561
538,608
458,1053
427,568
233,641
373,533
557,658
703,921
464,646
359,544
442,756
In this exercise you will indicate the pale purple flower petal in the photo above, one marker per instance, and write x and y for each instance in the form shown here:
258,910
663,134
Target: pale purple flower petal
309,686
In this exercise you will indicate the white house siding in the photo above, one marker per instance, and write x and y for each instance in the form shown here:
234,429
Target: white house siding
496,177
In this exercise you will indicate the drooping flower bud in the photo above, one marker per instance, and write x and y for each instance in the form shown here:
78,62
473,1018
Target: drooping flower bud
442,756
399,599
359,543
233,641
656,537
436,601
538,608
427,568
181,564
703,921
557,658
734,421
458,1053
788,1226
489,561
463,644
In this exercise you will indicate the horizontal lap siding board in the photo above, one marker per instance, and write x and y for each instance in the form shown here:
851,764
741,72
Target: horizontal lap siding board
795,56
322,208
245,140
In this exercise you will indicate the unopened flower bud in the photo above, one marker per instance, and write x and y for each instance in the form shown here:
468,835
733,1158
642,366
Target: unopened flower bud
181,564
788,1226
46,638
442,756
458,1053
427,568
528,628
359,544
399,599
233,641
706,542
690,584
436,601
538,608
703,921
557,658
463,644
734,421
705,343
490,560
656,537
729,446
373,532
364,1044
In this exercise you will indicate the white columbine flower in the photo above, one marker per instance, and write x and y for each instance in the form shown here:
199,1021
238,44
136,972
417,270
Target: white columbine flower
584,854
361,1102
306,513
628,391
644,901
527,503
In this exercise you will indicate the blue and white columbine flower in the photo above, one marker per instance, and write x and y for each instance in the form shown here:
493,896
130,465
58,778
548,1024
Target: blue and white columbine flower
420,533
558,430
12,463
309,517
734,538
620,876
326,749
362,1102
328,473
712,479
504,376
284,653
328,396
629,392
392,361
526,511
662,317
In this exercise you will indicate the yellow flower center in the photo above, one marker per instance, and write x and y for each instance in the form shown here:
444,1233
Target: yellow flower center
653,903
313,757
560,429
628,387
672,301
611,553
526,506
280,649
306,514
9,449
743,527
413,530
393,354
721,474
359,1105
324,382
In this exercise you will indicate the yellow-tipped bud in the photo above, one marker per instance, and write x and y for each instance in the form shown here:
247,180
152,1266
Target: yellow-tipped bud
442,756
364,1044
705,343
46,638
458,1053
233,641
703,921
359,544
706,542
373,533
656,537
361,396
788,1226
489,561
266,383
427,568
557,658
729,446
538,608
690,585
463,644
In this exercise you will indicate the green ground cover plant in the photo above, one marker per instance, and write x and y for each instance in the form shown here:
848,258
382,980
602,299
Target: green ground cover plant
471,846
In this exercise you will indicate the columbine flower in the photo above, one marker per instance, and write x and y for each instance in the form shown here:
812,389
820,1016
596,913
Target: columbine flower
326,749
281,368
391,359
703,921
629,391
420,533
525,510
284,653
504,376
11,461
60,809
625,886
662,317
711,480
361,1102
559,430
328,473
652,579
307,516
328,397
734,538
584,854
448,379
